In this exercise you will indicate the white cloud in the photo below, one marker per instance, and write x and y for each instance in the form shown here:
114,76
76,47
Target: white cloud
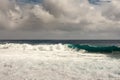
42,14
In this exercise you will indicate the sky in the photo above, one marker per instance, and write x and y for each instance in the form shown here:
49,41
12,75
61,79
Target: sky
59,19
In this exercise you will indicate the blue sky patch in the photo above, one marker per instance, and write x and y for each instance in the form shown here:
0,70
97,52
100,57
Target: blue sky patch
97,2
29,1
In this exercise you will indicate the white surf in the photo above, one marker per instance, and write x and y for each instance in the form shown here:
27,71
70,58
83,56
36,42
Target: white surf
55,62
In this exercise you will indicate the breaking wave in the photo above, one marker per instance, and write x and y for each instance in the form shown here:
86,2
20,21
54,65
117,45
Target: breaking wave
61,47
95,48
35,47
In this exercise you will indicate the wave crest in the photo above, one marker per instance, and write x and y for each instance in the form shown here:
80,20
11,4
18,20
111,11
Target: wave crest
91,48
38,47
60,47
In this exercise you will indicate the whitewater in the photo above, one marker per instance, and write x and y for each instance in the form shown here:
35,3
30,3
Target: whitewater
56,62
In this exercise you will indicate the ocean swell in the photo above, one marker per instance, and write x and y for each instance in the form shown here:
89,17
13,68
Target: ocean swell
95,48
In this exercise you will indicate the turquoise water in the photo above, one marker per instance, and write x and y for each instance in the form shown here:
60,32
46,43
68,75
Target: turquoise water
95,48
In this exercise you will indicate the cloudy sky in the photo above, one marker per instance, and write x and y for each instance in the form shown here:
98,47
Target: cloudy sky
59,19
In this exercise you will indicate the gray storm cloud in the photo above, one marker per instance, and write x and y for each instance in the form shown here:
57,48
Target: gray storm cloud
112,11
60,18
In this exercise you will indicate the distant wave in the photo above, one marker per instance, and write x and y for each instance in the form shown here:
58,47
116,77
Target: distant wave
92,48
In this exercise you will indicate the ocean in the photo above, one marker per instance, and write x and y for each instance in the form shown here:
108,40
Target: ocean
60,59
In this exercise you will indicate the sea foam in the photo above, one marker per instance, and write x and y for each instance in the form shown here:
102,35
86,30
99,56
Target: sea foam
55,62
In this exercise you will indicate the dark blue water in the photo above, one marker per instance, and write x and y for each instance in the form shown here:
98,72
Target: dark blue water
92,42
